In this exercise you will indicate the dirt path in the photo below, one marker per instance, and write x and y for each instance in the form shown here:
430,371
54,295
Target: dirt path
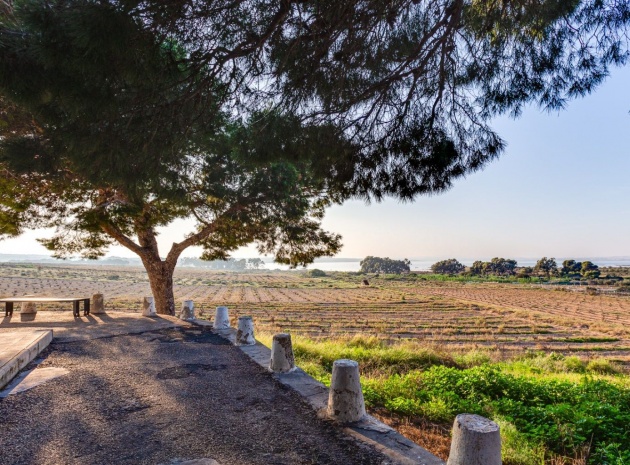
165,395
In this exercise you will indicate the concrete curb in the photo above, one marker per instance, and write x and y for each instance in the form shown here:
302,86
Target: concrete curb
369,430
24,354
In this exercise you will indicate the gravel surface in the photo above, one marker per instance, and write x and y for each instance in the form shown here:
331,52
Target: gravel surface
162,397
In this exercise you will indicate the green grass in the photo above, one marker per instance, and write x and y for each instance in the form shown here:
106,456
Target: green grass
548,405
581,340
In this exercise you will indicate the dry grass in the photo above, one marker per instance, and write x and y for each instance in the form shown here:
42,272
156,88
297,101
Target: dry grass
504,318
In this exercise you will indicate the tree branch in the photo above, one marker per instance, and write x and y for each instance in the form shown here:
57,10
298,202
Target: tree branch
178,247
123,240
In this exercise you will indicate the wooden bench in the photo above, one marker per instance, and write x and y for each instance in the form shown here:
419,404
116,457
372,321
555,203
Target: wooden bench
8,309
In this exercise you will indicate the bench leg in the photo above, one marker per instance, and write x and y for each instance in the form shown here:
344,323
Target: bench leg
8,309
75,308
86,307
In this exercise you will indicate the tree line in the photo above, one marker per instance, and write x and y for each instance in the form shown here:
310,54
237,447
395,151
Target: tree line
547,267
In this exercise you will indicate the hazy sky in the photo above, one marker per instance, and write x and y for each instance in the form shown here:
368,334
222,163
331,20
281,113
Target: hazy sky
561,189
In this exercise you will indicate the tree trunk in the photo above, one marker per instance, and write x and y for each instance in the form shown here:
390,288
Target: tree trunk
161,280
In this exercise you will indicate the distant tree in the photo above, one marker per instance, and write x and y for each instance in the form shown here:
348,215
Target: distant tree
477,268
500,266
547,266
571,268
450,266
255,263
589,270
524,272
384,265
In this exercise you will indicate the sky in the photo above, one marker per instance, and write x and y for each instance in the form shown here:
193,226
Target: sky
560,189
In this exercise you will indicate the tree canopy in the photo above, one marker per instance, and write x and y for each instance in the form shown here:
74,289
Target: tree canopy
384,265
497,266
450,266
118,117
547,266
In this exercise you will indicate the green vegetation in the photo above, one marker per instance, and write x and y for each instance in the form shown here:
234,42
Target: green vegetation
384,265
546,266
548,405
450,267
497,266
316,273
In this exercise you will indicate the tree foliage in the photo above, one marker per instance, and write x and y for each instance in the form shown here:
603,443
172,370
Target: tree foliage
546,266
589,270
497,266
575,269
571,268
384,265
450,266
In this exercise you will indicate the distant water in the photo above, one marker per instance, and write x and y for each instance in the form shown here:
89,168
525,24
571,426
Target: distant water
331,264
425,265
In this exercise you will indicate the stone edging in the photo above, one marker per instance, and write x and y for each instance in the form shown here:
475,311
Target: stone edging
24,356
369,431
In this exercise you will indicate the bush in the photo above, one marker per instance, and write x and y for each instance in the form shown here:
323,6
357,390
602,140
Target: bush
603,367
450,267
384,265
315,273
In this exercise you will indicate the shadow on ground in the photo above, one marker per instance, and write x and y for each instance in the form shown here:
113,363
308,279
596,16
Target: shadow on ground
163,395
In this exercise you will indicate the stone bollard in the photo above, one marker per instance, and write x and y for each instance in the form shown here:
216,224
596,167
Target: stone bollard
282,360
98,304
345,399
28,308
245,332
221,318
476,441
188,310
148,307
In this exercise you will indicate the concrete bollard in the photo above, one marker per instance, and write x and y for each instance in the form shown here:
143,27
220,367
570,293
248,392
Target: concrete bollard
282,360
345,399
98,304
188,310
245,331
221,318
476,441
148,307
28,307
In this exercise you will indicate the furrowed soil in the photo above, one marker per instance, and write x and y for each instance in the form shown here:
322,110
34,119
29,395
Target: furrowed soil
508,318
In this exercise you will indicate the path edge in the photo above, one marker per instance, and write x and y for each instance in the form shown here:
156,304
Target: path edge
10,369
368,431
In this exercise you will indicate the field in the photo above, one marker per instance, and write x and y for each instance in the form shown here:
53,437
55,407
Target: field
549,365
506,318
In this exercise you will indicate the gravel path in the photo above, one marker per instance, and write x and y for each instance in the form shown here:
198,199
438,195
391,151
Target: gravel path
163,396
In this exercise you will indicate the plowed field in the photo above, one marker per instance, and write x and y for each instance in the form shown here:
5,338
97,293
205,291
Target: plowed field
507,318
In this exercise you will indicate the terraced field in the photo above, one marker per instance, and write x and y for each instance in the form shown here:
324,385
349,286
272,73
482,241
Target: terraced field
505,318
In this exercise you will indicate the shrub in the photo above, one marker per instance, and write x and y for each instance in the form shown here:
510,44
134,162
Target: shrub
315,273
450,267
592,290
603,366
384,265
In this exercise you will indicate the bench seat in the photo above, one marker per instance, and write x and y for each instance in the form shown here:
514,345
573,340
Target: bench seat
8,309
